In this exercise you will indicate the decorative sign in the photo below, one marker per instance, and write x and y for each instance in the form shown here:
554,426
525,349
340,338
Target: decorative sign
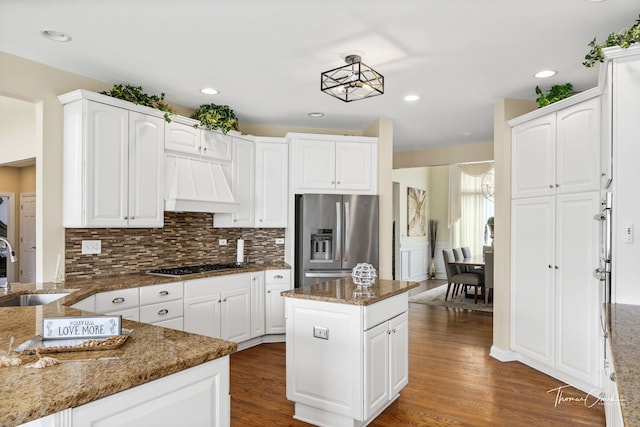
81,327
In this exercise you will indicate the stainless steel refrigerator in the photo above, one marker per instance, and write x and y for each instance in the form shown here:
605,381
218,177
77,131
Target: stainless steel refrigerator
334,232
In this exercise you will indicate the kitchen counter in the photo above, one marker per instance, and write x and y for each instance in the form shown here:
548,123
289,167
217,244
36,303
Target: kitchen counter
150,352
624,327
344,291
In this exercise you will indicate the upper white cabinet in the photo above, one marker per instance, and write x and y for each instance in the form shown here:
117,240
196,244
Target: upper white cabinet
334,164
112,174
259,183
185,138
558,152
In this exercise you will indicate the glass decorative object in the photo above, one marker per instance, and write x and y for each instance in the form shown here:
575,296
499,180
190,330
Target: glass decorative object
363,275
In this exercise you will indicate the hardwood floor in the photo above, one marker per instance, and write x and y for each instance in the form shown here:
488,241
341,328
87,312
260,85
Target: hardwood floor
452,381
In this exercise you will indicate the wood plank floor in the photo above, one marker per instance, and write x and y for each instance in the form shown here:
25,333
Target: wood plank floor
452,382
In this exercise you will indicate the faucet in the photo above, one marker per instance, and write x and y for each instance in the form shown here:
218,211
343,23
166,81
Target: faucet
12,258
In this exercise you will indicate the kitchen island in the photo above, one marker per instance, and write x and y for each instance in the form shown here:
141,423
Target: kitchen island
347,350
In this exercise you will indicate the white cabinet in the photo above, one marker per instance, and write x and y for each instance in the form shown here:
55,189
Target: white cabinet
385,363
112,174
558,153
257,304
162,305
124,302
186,138
259,183
87,304
334,164
219,307
554,243
277,281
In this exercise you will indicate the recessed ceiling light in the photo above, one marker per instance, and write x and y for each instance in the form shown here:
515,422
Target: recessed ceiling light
315,114
544,74
209,91
411,98
56,36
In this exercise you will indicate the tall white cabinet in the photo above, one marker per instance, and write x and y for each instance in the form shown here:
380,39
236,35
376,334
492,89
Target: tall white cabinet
112,163
554,242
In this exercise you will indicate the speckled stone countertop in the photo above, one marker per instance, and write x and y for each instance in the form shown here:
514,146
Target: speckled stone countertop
344,291
624,327
150,352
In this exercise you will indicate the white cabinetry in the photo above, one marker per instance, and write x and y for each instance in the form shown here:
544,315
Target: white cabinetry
554,244
219,307
259,183
257,304
112,165
277,281
334,164
124,302
188,139
162,305
558,153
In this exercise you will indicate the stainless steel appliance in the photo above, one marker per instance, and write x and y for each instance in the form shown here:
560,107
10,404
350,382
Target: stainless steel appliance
334,233
604,269
192,269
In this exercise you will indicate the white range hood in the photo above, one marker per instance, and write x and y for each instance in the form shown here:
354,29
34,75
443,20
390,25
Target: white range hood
194,185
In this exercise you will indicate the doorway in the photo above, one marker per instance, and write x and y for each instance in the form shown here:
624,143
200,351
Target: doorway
27,237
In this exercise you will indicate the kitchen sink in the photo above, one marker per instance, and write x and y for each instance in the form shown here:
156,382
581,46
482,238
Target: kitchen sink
26,300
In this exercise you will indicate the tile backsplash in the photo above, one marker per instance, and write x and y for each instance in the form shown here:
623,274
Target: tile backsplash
187,238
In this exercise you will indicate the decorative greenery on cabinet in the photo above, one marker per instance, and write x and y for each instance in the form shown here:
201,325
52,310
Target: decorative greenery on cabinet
134,94
555,94
214,116
623,39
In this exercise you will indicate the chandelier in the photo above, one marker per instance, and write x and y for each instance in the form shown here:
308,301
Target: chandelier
353,81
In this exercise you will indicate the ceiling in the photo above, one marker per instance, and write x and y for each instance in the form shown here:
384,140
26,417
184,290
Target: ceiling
265,57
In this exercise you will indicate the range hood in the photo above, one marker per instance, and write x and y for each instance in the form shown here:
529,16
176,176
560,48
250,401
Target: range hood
194,185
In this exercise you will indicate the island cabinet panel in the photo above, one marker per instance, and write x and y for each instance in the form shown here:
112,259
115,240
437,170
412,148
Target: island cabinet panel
198,396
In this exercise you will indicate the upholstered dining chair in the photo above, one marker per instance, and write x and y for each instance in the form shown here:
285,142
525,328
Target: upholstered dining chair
466,251
488,276
455,278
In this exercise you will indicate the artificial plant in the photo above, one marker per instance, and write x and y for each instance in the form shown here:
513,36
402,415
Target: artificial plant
623,39
212,116
555,94
134,94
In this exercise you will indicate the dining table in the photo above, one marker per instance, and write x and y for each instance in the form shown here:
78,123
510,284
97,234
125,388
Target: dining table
469,263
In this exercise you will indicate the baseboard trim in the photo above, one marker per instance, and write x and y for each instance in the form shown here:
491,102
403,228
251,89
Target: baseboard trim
503,355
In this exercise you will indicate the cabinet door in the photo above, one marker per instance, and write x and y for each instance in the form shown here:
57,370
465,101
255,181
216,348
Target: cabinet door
106,165
202,315
243,182
532,277
271,185
216,146
182,138
315,165
398,353
146,198
236,315
577,345
533,160
376,368
578,149
354,166
257,304
275,321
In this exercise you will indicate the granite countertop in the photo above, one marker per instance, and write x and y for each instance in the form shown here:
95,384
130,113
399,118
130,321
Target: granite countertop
344,291
624,327
150,352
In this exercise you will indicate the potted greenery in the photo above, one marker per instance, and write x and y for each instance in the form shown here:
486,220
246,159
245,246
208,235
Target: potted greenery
212,116
555,94
623,39
134,94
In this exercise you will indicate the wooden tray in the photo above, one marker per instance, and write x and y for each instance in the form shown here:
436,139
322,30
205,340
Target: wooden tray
64,346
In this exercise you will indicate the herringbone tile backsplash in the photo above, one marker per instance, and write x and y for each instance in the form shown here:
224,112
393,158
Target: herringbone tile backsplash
186,239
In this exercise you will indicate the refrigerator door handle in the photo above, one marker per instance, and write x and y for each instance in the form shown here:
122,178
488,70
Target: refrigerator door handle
329,275
347,220
337,238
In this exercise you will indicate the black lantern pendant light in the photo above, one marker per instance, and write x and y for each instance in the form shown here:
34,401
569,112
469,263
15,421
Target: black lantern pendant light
353,81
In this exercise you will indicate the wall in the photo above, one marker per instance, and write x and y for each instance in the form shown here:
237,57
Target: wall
17,130
463,153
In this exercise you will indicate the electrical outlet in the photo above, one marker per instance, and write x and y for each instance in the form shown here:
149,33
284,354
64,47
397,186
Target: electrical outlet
222,242
280,241
321,332
90,247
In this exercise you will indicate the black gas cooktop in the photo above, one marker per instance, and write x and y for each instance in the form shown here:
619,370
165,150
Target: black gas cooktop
193,269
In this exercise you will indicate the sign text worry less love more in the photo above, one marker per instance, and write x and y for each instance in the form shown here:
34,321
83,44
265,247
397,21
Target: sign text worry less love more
81,327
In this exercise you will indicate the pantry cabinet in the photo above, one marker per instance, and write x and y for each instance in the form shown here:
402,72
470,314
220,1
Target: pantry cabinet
112,175
334,164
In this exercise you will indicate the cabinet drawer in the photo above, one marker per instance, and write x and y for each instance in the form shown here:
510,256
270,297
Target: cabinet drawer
162,311
160,293
128,314
277,276
121,299
177,324
384,310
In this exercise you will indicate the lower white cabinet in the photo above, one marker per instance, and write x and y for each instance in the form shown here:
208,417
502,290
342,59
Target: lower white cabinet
257,304
123,302
386,363
276,282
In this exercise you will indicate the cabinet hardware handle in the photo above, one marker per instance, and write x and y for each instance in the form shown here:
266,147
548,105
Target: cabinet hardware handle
278,276
550,186
126,217
556,267
557,185
163,293
133,217
388,332
394,331
117,300
163,312
338,182
268,292
261,220
612,377
549,265
224,300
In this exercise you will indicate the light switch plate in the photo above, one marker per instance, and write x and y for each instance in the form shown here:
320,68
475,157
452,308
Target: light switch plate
90,247
280,241
222,242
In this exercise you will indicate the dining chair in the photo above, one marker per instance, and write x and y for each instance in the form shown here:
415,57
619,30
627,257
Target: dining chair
457,254
466,251
488,276
455,278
